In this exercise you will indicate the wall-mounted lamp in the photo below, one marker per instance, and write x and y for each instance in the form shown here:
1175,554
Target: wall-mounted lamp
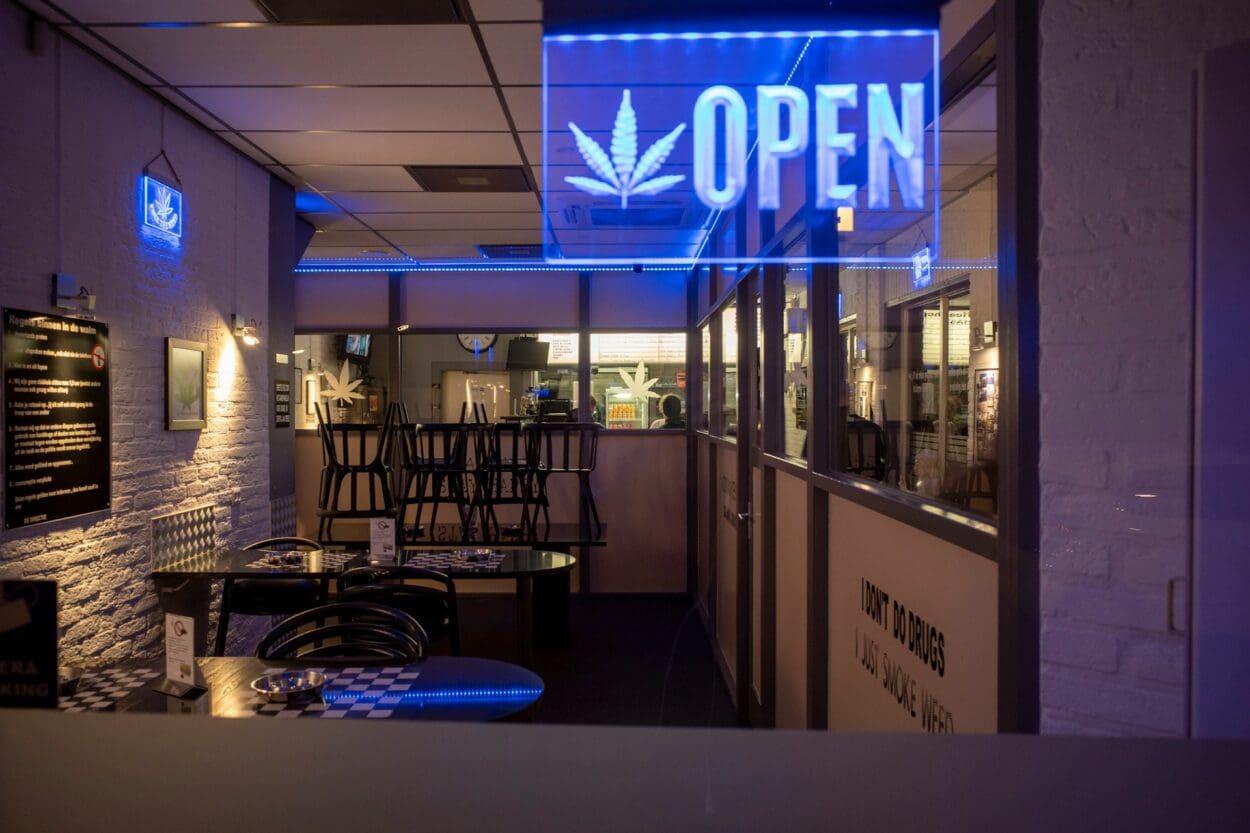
246,330
402,328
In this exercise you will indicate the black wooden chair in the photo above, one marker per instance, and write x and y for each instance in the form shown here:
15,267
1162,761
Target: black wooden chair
563,448
507,479
348,462
346,634
269,595
426,595
865,448
439,464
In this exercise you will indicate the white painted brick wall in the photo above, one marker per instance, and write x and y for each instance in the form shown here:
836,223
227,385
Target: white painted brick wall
1117,104
86,224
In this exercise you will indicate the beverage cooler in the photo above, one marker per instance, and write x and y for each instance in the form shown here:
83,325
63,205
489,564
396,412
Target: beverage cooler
621,408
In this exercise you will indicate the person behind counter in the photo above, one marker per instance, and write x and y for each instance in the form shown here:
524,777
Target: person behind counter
670,407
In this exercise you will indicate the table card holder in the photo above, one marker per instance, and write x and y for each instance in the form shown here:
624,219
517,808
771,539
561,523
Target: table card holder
180,674
382,539
28,662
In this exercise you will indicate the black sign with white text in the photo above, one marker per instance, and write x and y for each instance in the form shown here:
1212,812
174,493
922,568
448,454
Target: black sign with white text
56,418
28,644
281,403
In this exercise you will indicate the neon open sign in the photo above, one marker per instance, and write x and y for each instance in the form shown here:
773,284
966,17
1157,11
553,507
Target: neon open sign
679,148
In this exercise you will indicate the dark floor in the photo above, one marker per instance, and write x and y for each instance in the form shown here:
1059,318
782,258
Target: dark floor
630,660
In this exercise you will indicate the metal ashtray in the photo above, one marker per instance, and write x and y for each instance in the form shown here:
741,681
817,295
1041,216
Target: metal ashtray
290,686
473,556
68,677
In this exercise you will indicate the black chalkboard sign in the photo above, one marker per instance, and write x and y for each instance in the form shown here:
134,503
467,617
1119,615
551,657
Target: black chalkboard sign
56,418
281,403
28,644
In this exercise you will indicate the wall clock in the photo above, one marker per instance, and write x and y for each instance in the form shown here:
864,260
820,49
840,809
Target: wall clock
477,342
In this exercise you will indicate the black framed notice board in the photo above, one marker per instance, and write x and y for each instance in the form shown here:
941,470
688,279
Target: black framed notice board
56,417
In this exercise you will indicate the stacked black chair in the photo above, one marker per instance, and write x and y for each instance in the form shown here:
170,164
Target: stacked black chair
563,448
268,595
425,595
346,462
507,479
346,634
439,464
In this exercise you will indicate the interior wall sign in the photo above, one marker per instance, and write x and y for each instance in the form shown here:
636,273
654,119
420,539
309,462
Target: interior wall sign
650,140
161,209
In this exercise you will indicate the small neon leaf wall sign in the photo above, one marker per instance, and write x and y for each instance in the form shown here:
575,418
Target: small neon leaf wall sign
655,143
162,208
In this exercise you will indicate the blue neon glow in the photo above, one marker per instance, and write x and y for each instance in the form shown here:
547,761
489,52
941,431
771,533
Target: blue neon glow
628,92
441,696
161,209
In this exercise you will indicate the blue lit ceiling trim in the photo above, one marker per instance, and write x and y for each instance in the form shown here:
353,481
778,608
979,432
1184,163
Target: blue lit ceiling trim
612,152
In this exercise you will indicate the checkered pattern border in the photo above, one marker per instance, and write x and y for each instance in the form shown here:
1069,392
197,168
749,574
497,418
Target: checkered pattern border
282,516
100,689
348,693
281,560
180,535
450,561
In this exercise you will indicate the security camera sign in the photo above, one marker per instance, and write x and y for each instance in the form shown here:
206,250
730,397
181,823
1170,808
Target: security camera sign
694,147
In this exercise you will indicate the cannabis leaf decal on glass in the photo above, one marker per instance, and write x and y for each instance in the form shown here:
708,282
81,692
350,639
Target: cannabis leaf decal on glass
341,388
624,173
638,385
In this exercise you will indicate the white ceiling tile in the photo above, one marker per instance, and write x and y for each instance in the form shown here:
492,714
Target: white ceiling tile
190,108
498,238
163,11
92,44
443,251
375,202
451,221
347,238
958,17
975,111
276,55
354,108
356,177
246,149
967,148
388,148
507,9
515,50
316,252
337,221
525,104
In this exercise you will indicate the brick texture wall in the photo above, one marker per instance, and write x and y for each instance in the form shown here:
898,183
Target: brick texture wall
77,135
1117,146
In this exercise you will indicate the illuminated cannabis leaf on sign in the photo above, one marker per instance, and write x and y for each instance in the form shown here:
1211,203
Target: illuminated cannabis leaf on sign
161,212
341,388
638,384
624,173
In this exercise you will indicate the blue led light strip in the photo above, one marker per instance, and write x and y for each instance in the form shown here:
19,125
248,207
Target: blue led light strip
450,695
819,33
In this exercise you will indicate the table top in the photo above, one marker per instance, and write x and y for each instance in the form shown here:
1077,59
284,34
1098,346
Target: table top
439,688
460,563
549,535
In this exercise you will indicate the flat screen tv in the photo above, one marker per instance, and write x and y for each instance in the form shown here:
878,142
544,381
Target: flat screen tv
527,354
356,347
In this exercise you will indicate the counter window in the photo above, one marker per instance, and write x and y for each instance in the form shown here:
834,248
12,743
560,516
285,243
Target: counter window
638,380
354,364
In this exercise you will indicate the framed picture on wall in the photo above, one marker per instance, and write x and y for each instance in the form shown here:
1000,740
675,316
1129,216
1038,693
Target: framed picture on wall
186,385
299,386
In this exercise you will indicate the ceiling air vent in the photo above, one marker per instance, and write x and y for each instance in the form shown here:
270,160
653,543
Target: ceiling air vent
495,251
356,13
470,179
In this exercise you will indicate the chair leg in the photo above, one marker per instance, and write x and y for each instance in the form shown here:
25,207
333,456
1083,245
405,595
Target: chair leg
223,620
588,497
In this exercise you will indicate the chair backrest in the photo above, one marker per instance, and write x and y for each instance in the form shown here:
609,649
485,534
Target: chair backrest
427,595
865,449
346,634
290,542
346,444
449,446
562,447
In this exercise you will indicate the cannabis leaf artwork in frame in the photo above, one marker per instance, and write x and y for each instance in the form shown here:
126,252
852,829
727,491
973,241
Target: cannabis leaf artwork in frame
186,385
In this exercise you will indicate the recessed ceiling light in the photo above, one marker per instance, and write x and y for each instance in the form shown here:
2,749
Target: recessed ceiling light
480,179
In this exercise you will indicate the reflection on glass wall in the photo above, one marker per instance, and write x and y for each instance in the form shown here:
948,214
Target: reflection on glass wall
488,376
705,334
729,369
919,363
345,373
795,345
638,380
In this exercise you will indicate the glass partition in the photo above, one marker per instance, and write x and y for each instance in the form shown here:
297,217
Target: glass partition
705,335
729,369
796,335
638,380
345,373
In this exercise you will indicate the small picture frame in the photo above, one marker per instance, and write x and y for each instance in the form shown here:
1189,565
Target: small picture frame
186,385
299,386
